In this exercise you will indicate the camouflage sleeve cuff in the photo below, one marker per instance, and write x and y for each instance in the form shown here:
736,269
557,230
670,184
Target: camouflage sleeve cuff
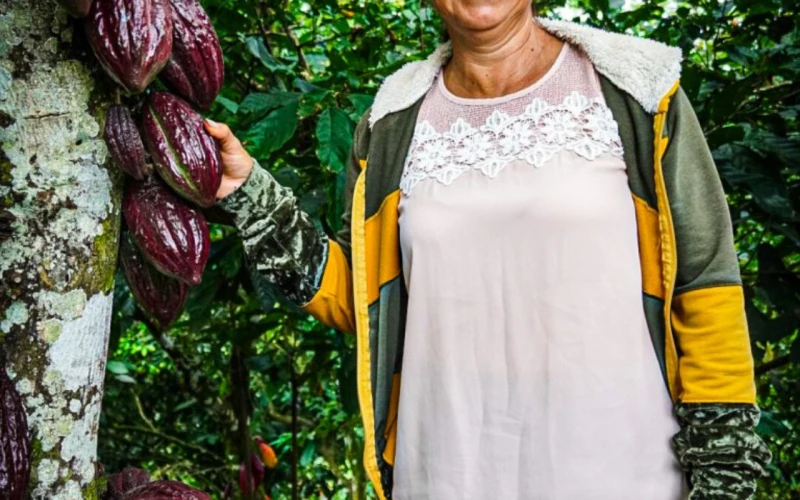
283,247
719,449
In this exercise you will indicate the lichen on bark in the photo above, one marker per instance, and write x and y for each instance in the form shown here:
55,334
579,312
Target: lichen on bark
57,269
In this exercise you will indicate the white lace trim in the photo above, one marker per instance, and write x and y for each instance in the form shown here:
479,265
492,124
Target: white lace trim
579,124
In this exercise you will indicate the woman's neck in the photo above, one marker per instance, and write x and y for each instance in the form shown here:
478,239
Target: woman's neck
500,61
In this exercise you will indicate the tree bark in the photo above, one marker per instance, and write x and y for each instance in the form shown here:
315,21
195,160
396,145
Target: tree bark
57,267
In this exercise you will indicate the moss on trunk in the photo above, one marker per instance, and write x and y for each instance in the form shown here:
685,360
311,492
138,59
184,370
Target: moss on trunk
57,269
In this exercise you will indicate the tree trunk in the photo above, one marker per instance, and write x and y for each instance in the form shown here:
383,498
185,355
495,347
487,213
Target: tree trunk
57,266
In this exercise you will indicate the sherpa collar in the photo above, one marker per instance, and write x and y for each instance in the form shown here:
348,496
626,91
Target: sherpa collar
645,69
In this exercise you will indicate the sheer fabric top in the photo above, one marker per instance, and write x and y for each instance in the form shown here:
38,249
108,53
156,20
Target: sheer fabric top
527,370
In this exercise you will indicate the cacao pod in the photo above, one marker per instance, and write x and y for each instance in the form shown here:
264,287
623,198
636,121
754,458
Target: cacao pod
256,471
171,234
122,483
125,143
161,297
267,453
131,38
15,445
167,490
77,8
196,69
185,155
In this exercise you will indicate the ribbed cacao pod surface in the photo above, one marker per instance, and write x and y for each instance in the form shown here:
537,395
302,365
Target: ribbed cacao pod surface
196,69
132,39
185,155
172,234
161,297
77,8
15,445
167,490
124,482
125,142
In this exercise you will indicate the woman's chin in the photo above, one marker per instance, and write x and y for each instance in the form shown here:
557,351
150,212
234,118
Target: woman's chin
479,15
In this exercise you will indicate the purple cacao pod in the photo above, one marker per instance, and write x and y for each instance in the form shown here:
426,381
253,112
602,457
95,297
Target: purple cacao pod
125,143
131,38
171,234
167,490
257,474
15,445
77,8
161,297
185,155
122,483
196,68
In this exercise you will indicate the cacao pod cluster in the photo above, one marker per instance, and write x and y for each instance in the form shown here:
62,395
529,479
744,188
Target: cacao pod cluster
15,444
134,484
173,165
261,461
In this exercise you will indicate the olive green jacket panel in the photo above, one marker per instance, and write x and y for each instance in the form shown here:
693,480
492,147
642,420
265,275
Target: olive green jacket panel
704,233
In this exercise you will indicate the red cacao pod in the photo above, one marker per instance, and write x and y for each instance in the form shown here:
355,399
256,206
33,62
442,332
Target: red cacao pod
171,234
125,143
161,297
256,471
185,155
15,445
131,38
167,490
122,483
77,8
196,69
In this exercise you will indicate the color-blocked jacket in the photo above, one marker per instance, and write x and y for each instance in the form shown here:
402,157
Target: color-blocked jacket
692,292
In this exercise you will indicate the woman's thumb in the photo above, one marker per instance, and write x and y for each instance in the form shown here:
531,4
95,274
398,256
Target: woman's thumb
219,131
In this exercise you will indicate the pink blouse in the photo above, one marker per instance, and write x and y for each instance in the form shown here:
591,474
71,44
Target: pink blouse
528,370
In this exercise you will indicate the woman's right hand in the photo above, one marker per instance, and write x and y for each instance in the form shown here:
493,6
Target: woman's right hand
236,162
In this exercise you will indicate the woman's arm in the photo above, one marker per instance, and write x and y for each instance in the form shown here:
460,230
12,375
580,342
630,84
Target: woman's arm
716,408
282,245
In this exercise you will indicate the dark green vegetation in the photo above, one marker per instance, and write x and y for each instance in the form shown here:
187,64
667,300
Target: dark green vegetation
298,75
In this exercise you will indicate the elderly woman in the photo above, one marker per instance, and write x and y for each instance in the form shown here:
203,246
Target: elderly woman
537,261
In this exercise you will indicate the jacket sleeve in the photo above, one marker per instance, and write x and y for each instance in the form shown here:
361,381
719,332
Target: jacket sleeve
716,406
284,248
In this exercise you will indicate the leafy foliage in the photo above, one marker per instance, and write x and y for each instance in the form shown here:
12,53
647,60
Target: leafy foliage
299,75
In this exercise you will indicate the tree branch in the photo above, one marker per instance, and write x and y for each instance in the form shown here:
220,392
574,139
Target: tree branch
772,365
277,416
159,434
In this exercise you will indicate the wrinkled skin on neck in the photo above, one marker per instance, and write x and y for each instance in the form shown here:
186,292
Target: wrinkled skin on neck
497,46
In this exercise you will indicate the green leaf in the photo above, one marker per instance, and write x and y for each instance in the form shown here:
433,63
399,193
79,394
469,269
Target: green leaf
770,425
226,103
117,367
259,50
361,102
186,404
335,136
273,131
125,379
259,103
309,452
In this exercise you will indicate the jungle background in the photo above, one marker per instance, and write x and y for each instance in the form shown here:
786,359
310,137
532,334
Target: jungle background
298,76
